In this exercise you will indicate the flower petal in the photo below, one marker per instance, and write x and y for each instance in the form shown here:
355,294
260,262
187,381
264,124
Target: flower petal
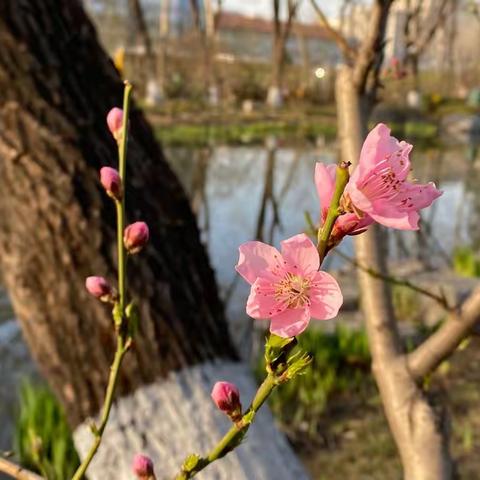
325,183
300,253
261,302
422,196
325,296
257,259
291,322
377,146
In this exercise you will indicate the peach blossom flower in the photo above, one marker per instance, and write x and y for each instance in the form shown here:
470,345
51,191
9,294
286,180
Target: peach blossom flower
136,236
111,182
143,467
227,398
287,287
379,187
347,224
115,122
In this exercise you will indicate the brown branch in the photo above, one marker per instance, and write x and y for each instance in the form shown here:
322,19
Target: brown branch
16,471
422,42
372,47
402,282
347,50
441,344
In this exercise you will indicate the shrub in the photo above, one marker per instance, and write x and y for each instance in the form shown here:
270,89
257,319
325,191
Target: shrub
43,439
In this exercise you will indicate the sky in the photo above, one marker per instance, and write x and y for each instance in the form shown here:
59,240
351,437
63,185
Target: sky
264,8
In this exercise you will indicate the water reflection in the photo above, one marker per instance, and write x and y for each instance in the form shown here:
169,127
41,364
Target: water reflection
245,193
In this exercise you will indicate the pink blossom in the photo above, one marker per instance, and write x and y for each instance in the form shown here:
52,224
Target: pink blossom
136,236
111,181
115,122
143,467
227,398
379,187
287,287
99,288
349,223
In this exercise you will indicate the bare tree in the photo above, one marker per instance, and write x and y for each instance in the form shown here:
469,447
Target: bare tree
205,20
366,58
419,429
421,25
281,33
154,91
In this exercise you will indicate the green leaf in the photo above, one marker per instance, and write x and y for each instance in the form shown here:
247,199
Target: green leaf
117,315
133,316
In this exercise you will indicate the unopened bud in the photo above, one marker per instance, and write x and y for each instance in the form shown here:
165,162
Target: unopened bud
100,288
111,181
136,236
227,398
115,122
143,467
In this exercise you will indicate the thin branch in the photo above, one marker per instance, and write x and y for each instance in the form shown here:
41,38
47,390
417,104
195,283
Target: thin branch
441,344
347,51
421,42
372,46
16,471
402,282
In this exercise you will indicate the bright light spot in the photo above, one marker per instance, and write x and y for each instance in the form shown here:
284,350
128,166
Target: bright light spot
320,72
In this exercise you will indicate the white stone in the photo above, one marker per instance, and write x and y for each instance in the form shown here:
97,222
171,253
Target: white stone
174,417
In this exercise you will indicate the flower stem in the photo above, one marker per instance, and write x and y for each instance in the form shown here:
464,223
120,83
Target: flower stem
121,331
122,160
234,436
334,211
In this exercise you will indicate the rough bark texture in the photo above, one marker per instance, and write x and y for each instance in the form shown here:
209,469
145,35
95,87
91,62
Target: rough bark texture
57,225
419,431
182,397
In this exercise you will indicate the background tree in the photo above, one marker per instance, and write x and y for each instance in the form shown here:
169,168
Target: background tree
421,25
419,428
281,33
57,227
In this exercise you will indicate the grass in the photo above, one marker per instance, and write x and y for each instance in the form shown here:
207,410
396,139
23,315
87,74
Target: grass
43,439
242,133
254,133
466,262
341,361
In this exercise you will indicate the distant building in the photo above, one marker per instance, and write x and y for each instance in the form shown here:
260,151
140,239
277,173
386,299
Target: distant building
239,37
251,38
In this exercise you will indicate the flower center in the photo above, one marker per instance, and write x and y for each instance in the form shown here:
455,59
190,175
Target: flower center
347,206
293,291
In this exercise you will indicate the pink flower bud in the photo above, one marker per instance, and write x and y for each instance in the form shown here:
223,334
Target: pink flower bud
136,236
99,288
227,398
115,122
111,181
143,467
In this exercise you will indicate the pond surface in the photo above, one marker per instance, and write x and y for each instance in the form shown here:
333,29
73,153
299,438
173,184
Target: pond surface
244,193
247,193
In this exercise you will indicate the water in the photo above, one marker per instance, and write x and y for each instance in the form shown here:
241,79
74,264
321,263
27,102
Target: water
227,187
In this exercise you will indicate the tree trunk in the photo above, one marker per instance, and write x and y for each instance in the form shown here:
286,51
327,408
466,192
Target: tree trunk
419,431
57,227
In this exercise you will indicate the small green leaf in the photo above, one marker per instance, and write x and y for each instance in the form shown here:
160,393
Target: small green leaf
117,315
277,348
133,317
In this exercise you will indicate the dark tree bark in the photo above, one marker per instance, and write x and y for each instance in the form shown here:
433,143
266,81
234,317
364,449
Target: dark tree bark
57,226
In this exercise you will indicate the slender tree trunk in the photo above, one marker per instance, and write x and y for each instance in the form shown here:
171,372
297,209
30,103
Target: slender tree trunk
419,431
57,227
154,91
